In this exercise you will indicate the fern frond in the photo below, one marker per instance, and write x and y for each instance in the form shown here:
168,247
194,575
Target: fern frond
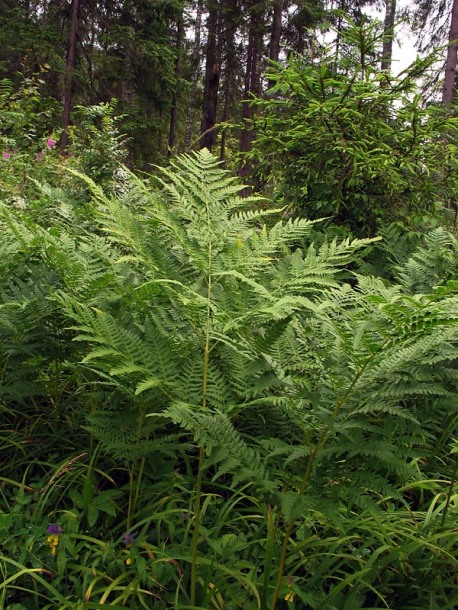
434,262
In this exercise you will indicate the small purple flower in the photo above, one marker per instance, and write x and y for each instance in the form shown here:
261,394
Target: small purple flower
54,529
39,156
128,538
50,143
6,155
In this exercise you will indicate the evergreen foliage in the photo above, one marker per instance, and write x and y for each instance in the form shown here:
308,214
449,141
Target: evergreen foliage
336,136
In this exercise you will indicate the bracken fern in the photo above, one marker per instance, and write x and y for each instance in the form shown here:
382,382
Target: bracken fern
196,316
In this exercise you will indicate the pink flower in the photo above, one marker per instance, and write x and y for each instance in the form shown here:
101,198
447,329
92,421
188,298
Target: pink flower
6,155
50,143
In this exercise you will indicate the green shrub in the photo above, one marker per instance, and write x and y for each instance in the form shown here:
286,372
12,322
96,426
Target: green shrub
337,137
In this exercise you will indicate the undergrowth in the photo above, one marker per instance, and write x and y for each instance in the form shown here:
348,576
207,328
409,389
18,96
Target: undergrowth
201,408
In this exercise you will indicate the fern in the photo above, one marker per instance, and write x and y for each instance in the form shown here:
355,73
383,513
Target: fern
283,324
244,333
214,431
179,316
6,88
434,262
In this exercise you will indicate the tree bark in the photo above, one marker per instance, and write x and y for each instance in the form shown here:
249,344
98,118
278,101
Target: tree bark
230,22
448,92
69,73
275,34
194,78
252,80
212,75
388,34
174,108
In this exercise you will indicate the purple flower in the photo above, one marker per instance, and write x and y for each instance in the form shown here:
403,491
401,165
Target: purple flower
50,143
6,155
54,529
128,538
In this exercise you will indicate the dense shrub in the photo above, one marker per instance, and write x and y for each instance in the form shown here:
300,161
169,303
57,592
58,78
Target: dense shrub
337,137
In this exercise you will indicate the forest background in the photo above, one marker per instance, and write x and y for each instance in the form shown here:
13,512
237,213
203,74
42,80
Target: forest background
174,70
173,77
228,306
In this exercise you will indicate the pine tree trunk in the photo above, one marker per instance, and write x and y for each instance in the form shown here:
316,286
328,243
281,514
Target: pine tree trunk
174,108
224,117
448,91
388,34
252,79
212,75
275,34
230,21
194,79
69,73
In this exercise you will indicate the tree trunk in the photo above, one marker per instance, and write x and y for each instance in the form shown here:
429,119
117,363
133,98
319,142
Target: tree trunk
275,34
69,72
448,92
194,78
212,75
225,116
388,34
174,108
252,80
230,22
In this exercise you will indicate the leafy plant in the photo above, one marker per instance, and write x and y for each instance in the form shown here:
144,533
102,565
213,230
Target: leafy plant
262,424
336,137
31,168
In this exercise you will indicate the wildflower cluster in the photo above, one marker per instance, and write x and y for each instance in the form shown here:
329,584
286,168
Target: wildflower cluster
51,144
54,532
129,539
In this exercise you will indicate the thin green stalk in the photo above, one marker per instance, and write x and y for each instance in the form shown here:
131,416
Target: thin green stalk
139,479
131,495
198,499
134,483
292,523
450,491
270,545
308,471
195,534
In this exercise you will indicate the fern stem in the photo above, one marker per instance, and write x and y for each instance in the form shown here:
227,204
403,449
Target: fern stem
207,332
131,496
195,534
197,505
308,471
292,523
139,479
134,483
281,569
270,545
450,492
